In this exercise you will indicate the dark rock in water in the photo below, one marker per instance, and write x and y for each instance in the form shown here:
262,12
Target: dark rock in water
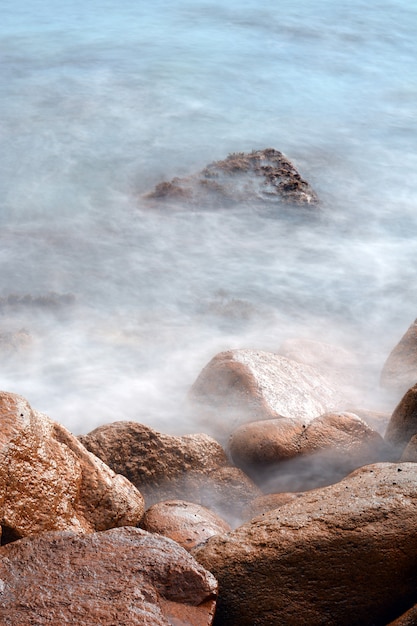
400,368
262,175
124,576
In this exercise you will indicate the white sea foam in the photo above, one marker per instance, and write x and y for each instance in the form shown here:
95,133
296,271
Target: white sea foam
101,101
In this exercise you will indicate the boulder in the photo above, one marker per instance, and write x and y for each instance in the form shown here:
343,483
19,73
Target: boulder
288,454
122,577
271,501
327,557
400,369
260,176
240,386
49,481
410,452
167,467
403,423
187,523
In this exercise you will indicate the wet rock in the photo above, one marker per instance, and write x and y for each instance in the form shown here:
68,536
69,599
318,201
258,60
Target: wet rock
262,175
410,451
49,481
167,467
403,423
290,454
263,504
187,523
327,557
400,368
246,385
122,577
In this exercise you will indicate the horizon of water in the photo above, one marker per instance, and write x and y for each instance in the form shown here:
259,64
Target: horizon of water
124,305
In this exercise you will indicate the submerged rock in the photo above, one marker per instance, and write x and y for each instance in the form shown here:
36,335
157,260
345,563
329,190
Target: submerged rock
262,175
327,557
123,576
49,481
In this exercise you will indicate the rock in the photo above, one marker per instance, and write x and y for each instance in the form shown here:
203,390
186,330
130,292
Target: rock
49,481
167,467
186,523
262,175
327,557
287,454
400,369
410,452
271,501
247,385
122,577
403,423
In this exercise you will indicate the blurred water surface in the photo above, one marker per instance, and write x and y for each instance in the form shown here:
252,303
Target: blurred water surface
100,101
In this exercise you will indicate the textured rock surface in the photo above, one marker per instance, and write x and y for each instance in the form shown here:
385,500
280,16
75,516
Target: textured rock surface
247,385
49,481
322,451
263,504
403,423
186,523
400,368
344,555
263,175
165,467
121,577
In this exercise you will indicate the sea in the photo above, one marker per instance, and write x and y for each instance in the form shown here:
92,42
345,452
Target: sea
110,307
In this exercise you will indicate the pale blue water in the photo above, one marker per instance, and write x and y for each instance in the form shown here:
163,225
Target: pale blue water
102,100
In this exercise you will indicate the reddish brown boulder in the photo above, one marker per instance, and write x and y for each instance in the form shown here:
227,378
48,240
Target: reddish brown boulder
400,368
186,523
262,175
403,423
122,577
271,501
327,557
247,385
167,467
49,481
285,454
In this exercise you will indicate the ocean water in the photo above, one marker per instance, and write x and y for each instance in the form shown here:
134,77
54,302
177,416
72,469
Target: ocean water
117,306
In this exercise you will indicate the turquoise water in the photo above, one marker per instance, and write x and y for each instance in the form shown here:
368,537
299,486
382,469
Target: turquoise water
102,100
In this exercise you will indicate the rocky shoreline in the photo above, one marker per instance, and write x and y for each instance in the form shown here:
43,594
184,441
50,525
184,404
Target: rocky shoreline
293,510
